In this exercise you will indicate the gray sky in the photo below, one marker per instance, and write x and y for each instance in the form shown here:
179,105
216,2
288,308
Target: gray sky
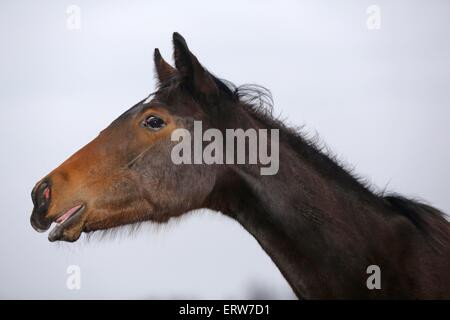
379,99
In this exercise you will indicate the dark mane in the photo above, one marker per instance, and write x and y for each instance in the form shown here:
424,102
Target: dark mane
431,221
258,101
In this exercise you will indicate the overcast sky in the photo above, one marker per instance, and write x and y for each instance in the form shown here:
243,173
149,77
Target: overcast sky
379,99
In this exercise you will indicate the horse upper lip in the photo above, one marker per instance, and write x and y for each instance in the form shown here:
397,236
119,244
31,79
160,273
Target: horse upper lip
39,226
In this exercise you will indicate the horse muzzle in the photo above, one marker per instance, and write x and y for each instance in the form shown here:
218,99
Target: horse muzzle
41,200
65,219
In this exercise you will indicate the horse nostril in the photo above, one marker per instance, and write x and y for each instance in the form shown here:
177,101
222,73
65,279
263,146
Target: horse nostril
41,195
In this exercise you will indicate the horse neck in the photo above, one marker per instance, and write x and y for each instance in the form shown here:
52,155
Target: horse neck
313,224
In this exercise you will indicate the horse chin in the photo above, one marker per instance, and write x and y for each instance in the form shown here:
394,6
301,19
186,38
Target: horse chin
68,236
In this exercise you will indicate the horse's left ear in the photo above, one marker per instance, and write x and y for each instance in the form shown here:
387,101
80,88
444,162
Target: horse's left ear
199,79
163,70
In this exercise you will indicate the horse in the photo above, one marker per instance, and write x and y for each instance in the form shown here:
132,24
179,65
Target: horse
321,226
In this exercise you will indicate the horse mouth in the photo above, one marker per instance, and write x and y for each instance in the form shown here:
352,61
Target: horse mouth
65,220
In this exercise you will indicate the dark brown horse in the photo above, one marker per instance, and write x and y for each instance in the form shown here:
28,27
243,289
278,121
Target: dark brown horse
321,226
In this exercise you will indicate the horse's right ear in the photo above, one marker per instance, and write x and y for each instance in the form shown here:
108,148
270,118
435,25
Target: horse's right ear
163,70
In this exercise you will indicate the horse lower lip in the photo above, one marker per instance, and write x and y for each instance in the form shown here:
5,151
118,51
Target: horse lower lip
57,233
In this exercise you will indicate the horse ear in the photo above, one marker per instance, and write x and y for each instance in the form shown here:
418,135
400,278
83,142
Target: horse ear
163,70
190,68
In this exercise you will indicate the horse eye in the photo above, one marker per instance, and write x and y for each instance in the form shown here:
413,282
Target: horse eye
154,123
